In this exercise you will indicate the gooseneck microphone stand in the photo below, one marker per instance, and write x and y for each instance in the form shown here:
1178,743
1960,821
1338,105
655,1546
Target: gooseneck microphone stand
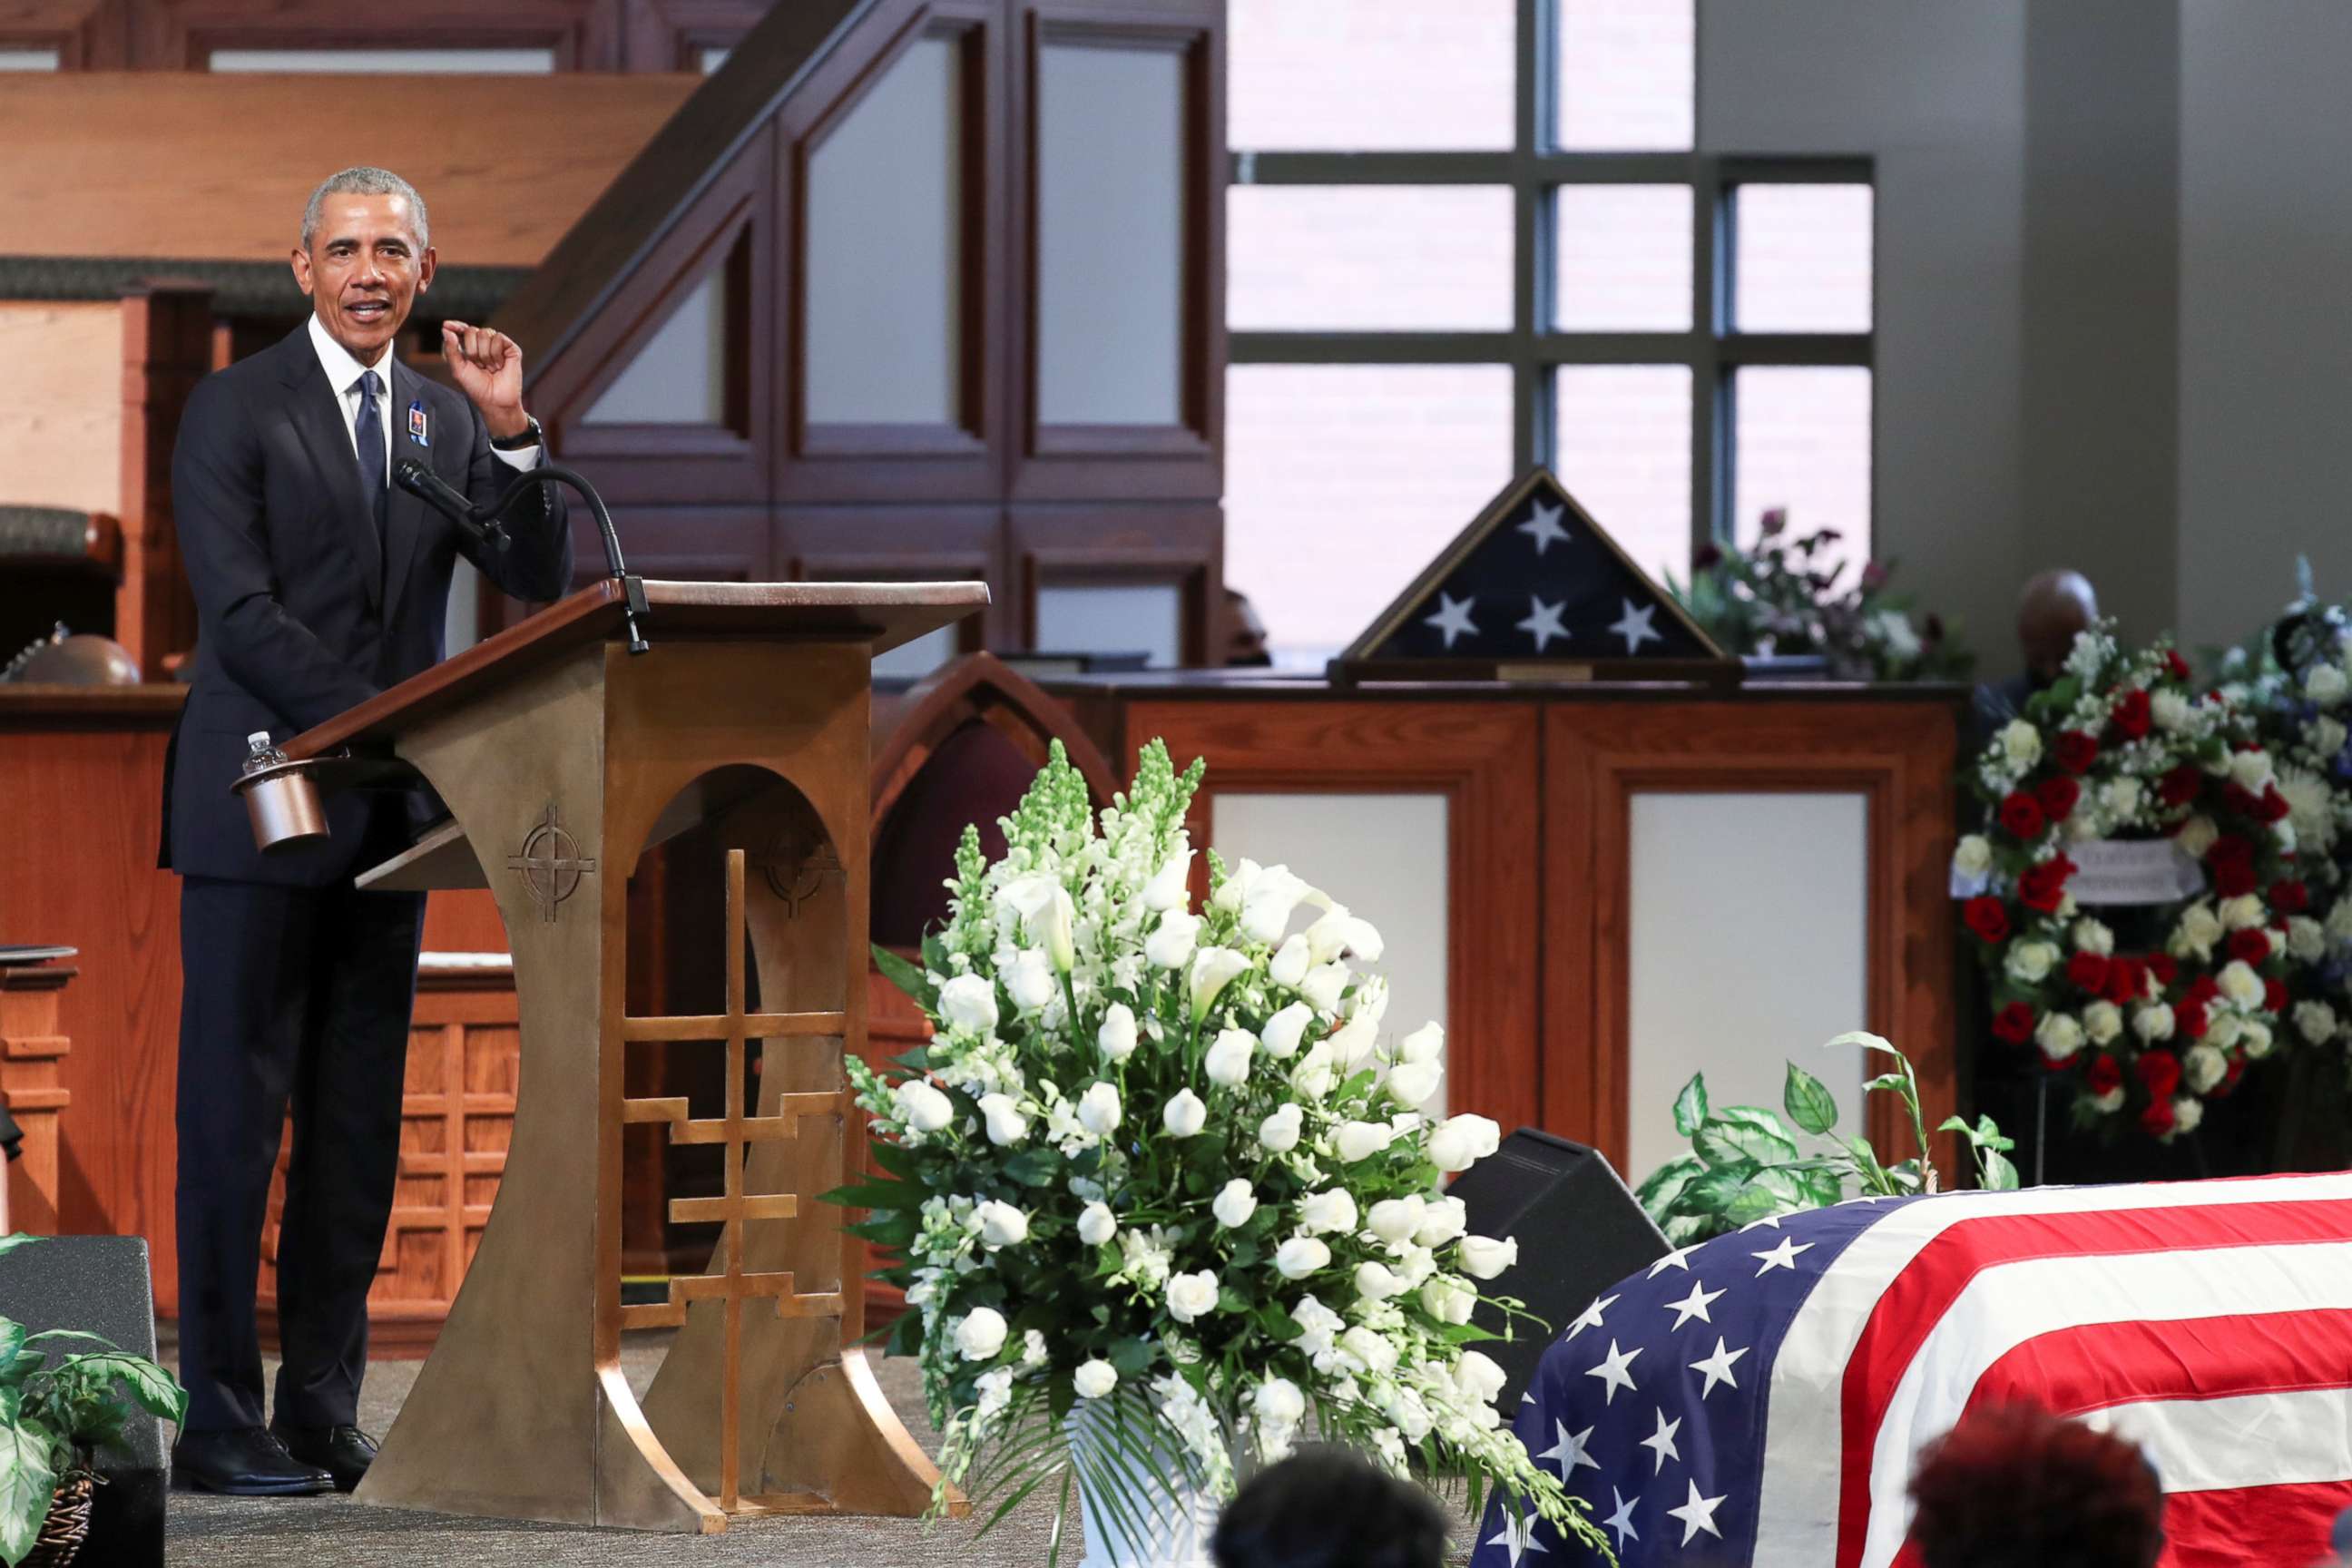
488,523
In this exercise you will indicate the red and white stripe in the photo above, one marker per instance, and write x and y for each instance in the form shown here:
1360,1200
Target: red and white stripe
2209,1321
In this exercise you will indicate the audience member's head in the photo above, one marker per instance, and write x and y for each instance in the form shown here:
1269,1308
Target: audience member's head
2022,1489
1325,1507
2053,609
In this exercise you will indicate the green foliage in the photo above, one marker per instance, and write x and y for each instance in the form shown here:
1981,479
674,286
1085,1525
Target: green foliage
1747,1164
56,1407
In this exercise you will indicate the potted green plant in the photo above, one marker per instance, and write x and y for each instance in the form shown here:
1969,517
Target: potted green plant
55,1414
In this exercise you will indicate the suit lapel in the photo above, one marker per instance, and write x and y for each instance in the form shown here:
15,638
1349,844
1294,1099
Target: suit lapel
311,406
403,521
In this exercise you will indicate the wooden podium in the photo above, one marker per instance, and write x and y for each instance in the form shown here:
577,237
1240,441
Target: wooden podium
562,758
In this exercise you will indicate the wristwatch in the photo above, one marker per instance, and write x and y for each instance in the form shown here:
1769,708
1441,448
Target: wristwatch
529,435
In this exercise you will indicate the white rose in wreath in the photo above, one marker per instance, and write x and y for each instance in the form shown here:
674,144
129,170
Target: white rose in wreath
2199,930
1291,961
1281,1032
1354,1141
1410,1083
1394,1220
2254,1038
2093,936
1461,1141
2316,1020
1170,946
2251,770
2021,743
1001,1224
1449,1299
1094,1378
1484,1258
2243,912
2170,710
968,1002
2323,684
1442,1220
1236,1201
2187,1113
1006,1125
1974,855
2222,1030
2029,962
1115,1038
1192,1295
981,1335
1096,1224
1330,1210
1300,1255
1098,1110
2058,1034
1031,982
1377,1281
923,1108
1227,1063
2241,985
2197,836
2306,940
1279,1133
1186,1115
2153,1022
2102,1022
2202,1066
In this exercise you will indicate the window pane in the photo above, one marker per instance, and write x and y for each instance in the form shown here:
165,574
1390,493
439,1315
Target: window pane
1624,258
1113,617
1804,258
1626,75
1803,443
399,62
1367,257
17,59
679,376
1342,482
1358,75
1621,445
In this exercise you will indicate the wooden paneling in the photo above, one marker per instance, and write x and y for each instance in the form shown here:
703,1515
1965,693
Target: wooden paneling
89,35
1597,755
32,1090
670,34
1088,542
60,401
1480,756
166,349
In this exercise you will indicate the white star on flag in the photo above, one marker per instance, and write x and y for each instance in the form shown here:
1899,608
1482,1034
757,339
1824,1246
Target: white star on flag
1590,1318
1672,1260
1771,1220
1543,622
1544,527
1518,1537
1621,1522
1697,1514
1781,1257
1718,1367
1695,1304
1633,626
1452,618
1661,1442
1612,1371
1569,1450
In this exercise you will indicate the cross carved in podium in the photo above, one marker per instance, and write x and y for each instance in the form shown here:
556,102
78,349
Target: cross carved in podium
550,863
736,1130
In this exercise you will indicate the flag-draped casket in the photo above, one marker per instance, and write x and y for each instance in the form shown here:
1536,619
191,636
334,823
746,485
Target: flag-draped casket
1760,1398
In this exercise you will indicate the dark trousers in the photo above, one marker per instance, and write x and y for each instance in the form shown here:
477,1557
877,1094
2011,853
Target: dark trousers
299,997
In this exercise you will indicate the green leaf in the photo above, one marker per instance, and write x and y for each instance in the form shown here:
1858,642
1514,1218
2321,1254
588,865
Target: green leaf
1131,1357
1866,1160
1994,1173
908,977
26,1483
1885,1080
885,1195
1712,1193
1035,1167
1751,1202
1277,1322
1690,1106
1723,1141
156,1391
1662,1186
895,1158
906,1334
1810,1103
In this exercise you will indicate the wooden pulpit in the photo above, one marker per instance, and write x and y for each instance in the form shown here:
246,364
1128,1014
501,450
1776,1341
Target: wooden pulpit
562,758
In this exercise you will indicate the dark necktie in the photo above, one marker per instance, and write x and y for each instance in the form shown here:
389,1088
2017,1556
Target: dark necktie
369,432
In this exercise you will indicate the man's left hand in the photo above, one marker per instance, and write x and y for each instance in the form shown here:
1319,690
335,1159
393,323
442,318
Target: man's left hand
487,367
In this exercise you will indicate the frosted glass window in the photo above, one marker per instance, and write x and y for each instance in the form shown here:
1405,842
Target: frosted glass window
1113,617
1804,262
1342,482
712,58
1384,856
1714,874
1803,443
1300,258
1627,75
1621,445
913,660
679,376
1363,75
1110,236
886,249
1624,258
28,60
397,62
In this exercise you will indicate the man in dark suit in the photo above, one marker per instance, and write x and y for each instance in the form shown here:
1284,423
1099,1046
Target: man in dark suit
318,584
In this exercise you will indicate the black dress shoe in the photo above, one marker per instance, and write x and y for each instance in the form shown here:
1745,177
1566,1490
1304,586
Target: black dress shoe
344,1452
244,1461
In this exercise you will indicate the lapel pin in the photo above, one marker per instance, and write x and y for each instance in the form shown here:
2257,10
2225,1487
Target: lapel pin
418,431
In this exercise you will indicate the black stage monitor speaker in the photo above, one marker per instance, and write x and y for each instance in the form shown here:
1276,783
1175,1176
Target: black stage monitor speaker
1578,1230
99,1285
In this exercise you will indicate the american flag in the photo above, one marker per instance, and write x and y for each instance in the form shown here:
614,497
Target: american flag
1533,578
1761,1398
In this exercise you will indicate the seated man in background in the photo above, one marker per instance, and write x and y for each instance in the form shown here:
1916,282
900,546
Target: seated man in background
2022,1489
2054,606
1325,1507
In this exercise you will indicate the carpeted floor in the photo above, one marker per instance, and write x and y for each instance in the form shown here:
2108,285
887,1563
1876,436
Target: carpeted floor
335,1533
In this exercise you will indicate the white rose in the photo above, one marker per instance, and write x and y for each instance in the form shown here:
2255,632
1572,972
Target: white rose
1461,1141
1186,1115
1031,984
2170,710
1115,1038
1001,1224
1192,1295
2241,985
1378,1281
1479,1378
2202,1066
1356,1141
2339,919
1267,902
923,1108
1166,888
2201,928
1279,1133
1214,969
2316,1019
1094,1378
2121,796
2021,743
1099,1110
2187,1113
1291,961
2223,1030
1330,1210
1281,1035
2243,912
1448,1298
2254,1038
968,1002
1096,1224
2030,962
2197,836
1006,1125
1442,1221
2323,684
1337,932
2153,1021
2102,1022
981,1335
1394,1220
2307,939
2059,1035
1312,1076
1426,1043
1235,1204
1483,1258
1974,855
1228,1059
1322,986
1353,1044
1369,1350
1170,946
2093,936
1410,1083
1299,1257
1278,1403
2251,770
2107,1104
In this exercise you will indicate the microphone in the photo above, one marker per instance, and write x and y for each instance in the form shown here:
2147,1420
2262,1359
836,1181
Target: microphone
445,498
633,603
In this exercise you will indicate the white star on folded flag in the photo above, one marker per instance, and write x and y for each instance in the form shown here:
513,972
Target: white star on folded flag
1543,622
1568,1451
1543,527
1781,1257
1621,1522
1718,1367
1589,1318
1672,1260
1698,1514
1695,1304
1452,618
1612,1371
1519,1536
1661,1442
1635,626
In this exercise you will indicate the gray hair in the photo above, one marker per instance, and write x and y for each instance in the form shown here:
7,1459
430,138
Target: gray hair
366,181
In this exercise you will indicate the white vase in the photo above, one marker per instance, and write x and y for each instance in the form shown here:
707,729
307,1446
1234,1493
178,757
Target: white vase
1154,1528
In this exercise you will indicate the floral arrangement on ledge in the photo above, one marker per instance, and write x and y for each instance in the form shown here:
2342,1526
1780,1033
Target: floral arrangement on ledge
1782,597
1159,1189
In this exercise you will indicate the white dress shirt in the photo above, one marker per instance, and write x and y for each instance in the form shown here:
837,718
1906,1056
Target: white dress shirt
344,372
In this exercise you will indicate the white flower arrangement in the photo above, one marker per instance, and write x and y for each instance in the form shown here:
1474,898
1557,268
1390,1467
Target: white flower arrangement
1160,1164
